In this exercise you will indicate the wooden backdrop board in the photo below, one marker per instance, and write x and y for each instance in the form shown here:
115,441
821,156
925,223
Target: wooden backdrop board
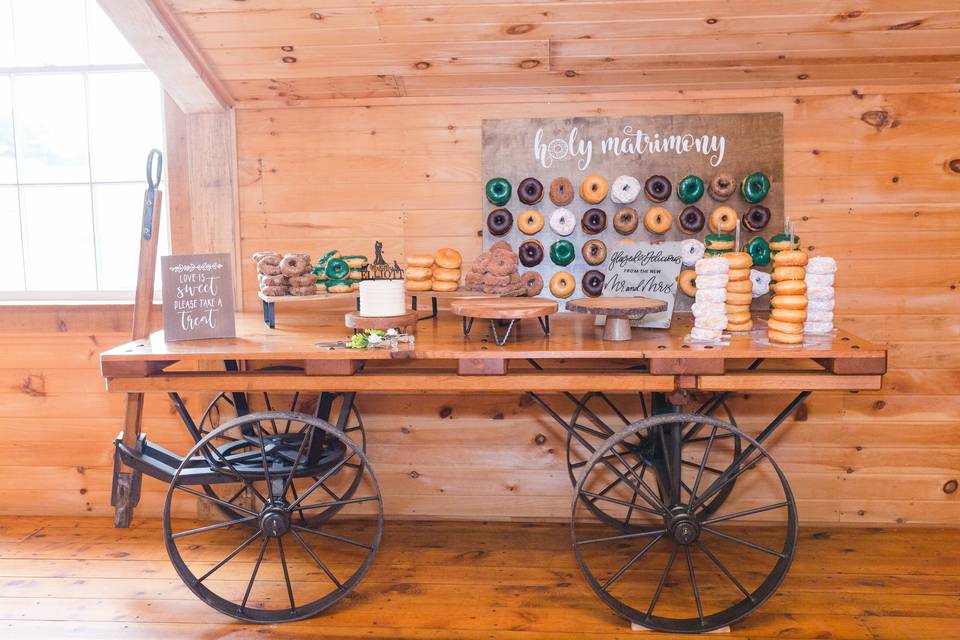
547,148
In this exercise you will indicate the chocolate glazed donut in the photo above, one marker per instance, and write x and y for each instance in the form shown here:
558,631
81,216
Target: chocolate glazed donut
691,220
756,218
499,221
530,191
594,252
561,192
626,220
594,221
657,188
592,283
531,253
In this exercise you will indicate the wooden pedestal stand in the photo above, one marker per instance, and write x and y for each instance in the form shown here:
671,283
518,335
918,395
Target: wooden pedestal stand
618,312
508,310
357,322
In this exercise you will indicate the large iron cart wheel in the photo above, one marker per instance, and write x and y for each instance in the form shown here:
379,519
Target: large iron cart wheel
273,563
597,417
680,569
339,409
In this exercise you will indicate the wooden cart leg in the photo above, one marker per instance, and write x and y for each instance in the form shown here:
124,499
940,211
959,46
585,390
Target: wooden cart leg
125,494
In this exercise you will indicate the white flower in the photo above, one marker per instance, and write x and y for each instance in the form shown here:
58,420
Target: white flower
374,339
392,332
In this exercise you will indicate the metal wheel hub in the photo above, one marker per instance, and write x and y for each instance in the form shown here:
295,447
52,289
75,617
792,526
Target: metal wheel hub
275,521
683,526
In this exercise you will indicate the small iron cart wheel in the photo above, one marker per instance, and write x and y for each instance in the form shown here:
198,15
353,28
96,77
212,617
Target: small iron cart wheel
597,418
339,409
272,562
724,564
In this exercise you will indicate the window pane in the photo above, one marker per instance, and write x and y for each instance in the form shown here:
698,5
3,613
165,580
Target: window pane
49,32
51,128
8,161
6,34
58,238
118,209
11,276
125,123
107,45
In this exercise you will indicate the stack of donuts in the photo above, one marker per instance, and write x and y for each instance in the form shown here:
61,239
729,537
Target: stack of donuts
339,274
789,299
739,291
438,272
418,275
709,311
281,275
821,271
495,272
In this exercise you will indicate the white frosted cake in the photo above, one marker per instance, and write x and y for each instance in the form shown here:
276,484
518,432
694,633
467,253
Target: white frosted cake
382,298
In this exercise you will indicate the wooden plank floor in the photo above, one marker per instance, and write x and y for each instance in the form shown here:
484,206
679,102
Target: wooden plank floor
80,578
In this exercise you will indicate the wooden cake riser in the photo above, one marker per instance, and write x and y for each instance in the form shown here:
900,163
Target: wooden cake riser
357,322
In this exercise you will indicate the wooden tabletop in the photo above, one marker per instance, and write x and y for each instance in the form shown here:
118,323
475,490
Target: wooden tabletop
616,306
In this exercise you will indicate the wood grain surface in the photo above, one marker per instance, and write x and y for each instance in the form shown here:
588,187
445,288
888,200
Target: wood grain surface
605,305
503,308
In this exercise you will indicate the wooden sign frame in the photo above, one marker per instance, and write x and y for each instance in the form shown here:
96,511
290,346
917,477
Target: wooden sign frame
198,296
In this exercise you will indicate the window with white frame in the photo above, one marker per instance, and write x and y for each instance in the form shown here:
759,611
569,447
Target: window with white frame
79,111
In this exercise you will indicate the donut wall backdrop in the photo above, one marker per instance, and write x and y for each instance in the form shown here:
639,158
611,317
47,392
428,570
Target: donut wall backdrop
640,146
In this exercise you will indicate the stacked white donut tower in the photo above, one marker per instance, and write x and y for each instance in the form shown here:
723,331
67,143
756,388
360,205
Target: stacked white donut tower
819,279
709,307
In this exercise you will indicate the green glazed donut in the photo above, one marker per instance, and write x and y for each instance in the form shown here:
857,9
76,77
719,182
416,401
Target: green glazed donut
498,191
755,187
714,238
783,242
716,252
337,269
332,284
690,189
562,252
759,250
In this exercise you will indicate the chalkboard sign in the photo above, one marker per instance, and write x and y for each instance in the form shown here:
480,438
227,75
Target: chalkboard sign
648,270
197,297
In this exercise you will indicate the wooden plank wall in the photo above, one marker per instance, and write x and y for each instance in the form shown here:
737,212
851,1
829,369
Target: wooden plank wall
873,177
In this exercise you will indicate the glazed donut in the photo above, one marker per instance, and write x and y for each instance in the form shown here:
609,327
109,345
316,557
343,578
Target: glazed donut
818,328
355,274
271,281
531,253
740,327
822,305
444,285
723,219
691,220
657,189
562,253
275,291
302,281
420,260
741,316
473,281
781,242
502,263
259,255
788,302
448,258
341,286
562,284
418,273
562,222
705,335
785,327
593,221
269,265
790,258
561,192
415,285
592,283
691,250
530,191
760,281
444,274
497,191
688,282
337,269
741,299
759,251
722,187
740,286
788,315
530,222
499,221
738,260
355,262
739,274
820,293
789,288
532,283
755,187
820,316
756,218
784,338
495,280
594,252
788,273
713,281
711,295
717,322
690,189
625,190
657,220
625,221
294,264
305,290
819,279
708,266
822,265
593,189
500,245
719,242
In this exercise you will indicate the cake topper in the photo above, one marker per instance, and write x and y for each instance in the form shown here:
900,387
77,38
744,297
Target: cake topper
380,269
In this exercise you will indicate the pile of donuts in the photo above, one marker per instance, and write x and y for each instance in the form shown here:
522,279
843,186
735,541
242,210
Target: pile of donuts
337,273
284,274
789,299
437,272
495,272
821,271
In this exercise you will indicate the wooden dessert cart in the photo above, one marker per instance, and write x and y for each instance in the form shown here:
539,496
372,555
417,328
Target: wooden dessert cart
660,482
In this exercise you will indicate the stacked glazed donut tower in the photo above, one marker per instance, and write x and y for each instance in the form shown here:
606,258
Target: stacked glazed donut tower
439,272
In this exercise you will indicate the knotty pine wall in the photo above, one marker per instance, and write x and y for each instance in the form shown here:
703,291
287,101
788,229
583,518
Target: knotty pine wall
868,175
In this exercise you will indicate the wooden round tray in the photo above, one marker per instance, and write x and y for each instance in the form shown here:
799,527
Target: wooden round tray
407,321
503,308
618,312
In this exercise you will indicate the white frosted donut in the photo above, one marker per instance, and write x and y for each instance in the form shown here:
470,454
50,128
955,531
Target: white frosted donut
691,250
711,295
817,328
821,265
819,279
820,293
715,321
625,190
712,281
710,266
707,308
699,333
820,316
760,281
562,222
820,305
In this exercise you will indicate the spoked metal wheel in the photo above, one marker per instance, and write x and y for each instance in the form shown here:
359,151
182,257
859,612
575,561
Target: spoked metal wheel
681,569
598,417
339,409
271,562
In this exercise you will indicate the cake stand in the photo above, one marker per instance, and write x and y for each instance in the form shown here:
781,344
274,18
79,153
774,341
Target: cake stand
509,310
618,312
357,322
